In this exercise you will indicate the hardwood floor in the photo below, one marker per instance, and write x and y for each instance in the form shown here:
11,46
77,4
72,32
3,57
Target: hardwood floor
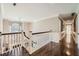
50,49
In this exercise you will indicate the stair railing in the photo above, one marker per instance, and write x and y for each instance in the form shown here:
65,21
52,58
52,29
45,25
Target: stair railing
10,41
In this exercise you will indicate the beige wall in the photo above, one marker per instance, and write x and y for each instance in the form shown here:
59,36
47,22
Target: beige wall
6,26
0,26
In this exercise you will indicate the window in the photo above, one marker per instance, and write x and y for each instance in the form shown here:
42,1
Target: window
15,27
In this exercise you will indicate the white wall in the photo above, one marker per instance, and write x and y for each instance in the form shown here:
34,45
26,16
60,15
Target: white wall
55,37
77,24
78,30
47,24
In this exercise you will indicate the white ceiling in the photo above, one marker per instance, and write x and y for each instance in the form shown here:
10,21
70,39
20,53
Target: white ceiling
35,11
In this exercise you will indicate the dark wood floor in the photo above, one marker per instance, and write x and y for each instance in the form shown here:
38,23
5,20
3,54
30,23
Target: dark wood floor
50,49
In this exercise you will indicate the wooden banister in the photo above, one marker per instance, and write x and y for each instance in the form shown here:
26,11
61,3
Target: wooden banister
16,33
26,35
11,33
41,32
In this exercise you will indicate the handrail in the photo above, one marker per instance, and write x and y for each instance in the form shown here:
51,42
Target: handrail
26,35
10,41
16,33
11,33
41,32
